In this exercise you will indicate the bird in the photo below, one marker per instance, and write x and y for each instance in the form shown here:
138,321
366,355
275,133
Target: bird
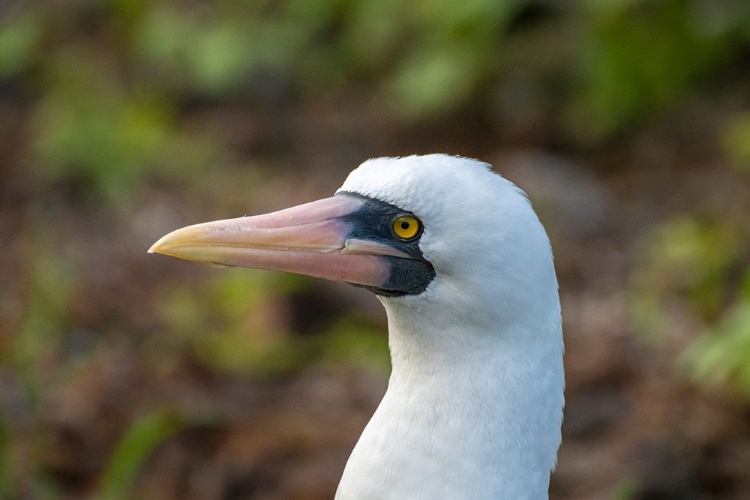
464,269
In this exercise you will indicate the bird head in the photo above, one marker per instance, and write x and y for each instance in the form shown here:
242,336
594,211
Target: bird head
464,269
411,229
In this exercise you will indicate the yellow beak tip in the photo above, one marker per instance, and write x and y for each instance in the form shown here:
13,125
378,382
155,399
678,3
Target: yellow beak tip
155,248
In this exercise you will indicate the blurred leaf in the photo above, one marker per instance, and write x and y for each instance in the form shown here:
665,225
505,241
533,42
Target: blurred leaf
358,343
93,130
689,259
88,128
215,52
372,33
19,39
640,57
457,46
721,356
216,61
238,324
46,316
49,284
145,434
627,489
432,82
694,263
235,324
737,140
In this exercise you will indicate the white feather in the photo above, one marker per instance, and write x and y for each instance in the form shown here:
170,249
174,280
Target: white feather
474,403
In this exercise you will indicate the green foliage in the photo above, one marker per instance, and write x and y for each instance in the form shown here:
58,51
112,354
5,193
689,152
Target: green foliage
686,258
29,355
626,490
196,49
353,341
456,46
93,129
235,324
721,356
46,314
690,270
238,324
144,435
639,57
19,39
109,107
697,267
737,140
432,54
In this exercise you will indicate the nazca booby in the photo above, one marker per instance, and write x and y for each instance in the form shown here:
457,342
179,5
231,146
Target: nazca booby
464,269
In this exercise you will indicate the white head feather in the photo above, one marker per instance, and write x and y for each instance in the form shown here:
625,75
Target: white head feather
474,404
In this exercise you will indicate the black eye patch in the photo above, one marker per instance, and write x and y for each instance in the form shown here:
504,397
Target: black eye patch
374,222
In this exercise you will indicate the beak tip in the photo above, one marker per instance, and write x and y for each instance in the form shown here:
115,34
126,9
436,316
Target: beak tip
157,247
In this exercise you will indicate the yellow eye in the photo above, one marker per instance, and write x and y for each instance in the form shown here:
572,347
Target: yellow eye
406,227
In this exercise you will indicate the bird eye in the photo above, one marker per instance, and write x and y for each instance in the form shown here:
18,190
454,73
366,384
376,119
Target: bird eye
406,227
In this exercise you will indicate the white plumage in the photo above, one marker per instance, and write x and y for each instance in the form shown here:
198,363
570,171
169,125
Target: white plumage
474,403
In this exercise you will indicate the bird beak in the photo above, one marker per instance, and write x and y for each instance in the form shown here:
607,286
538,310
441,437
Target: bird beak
311,239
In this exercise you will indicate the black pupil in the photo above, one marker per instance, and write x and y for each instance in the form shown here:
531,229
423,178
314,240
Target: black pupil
405,225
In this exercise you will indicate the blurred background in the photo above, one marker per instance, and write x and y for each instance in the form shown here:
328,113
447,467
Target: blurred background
127,375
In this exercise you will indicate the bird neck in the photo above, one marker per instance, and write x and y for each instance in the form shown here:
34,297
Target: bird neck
471,411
